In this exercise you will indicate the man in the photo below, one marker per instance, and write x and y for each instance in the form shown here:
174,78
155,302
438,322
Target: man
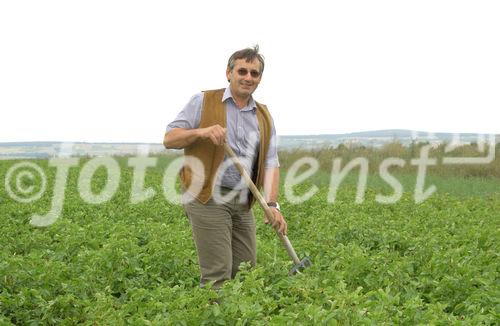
224,230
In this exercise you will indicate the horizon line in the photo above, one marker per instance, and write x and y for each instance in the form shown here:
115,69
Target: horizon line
424,133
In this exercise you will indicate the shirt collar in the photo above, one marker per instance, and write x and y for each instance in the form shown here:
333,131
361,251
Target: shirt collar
251,104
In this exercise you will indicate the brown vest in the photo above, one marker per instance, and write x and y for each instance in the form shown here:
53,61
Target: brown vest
211,156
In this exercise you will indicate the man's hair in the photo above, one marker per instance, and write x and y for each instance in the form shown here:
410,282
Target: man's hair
249,54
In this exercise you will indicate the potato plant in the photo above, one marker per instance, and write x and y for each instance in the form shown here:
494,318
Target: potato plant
119,263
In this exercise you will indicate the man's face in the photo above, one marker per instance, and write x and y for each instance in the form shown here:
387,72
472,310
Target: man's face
244,78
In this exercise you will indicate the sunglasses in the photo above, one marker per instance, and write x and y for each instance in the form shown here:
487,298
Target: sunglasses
243,72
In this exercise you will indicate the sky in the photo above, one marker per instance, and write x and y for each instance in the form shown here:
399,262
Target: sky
120,71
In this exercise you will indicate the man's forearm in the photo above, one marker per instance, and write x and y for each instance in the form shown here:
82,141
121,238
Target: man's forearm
271,184
180,138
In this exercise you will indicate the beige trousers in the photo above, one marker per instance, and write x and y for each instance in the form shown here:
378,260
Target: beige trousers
224,235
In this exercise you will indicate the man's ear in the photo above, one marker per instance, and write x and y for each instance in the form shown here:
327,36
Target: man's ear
228,71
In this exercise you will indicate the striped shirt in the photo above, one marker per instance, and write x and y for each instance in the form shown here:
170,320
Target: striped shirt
242,136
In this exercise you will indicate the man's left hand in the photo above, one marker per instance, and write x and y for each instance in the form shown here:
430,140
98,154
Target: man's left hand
279,223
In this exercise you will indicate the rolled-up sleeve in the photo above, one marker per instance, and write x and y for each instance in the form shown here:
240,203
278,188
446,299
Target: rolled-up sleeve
190,116
272,160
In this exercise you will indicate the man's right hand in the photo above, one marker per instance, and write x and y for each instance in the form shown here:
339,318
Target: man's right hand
181,138
215,133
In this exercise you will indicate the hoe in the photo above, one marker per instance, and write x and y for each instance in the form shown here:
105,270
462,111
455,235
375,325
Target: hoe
299,265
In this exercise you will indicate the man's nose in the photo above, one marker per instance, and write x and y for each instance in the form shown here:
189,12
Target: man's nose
248,76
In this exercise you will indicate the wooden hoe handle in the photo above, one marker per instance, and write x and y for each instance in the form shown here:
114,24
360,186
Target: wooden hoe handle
256,193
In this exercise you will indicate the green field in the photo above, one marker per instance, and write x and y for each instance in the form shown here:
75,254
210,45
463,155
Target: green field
120,263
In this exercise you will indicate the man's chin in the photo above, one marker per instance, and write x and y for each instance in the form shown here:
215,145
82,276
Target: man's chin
246,90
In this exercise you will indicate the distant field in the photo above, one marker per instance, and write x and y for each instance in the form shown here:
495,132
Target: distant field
458,179
118,263
453,185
